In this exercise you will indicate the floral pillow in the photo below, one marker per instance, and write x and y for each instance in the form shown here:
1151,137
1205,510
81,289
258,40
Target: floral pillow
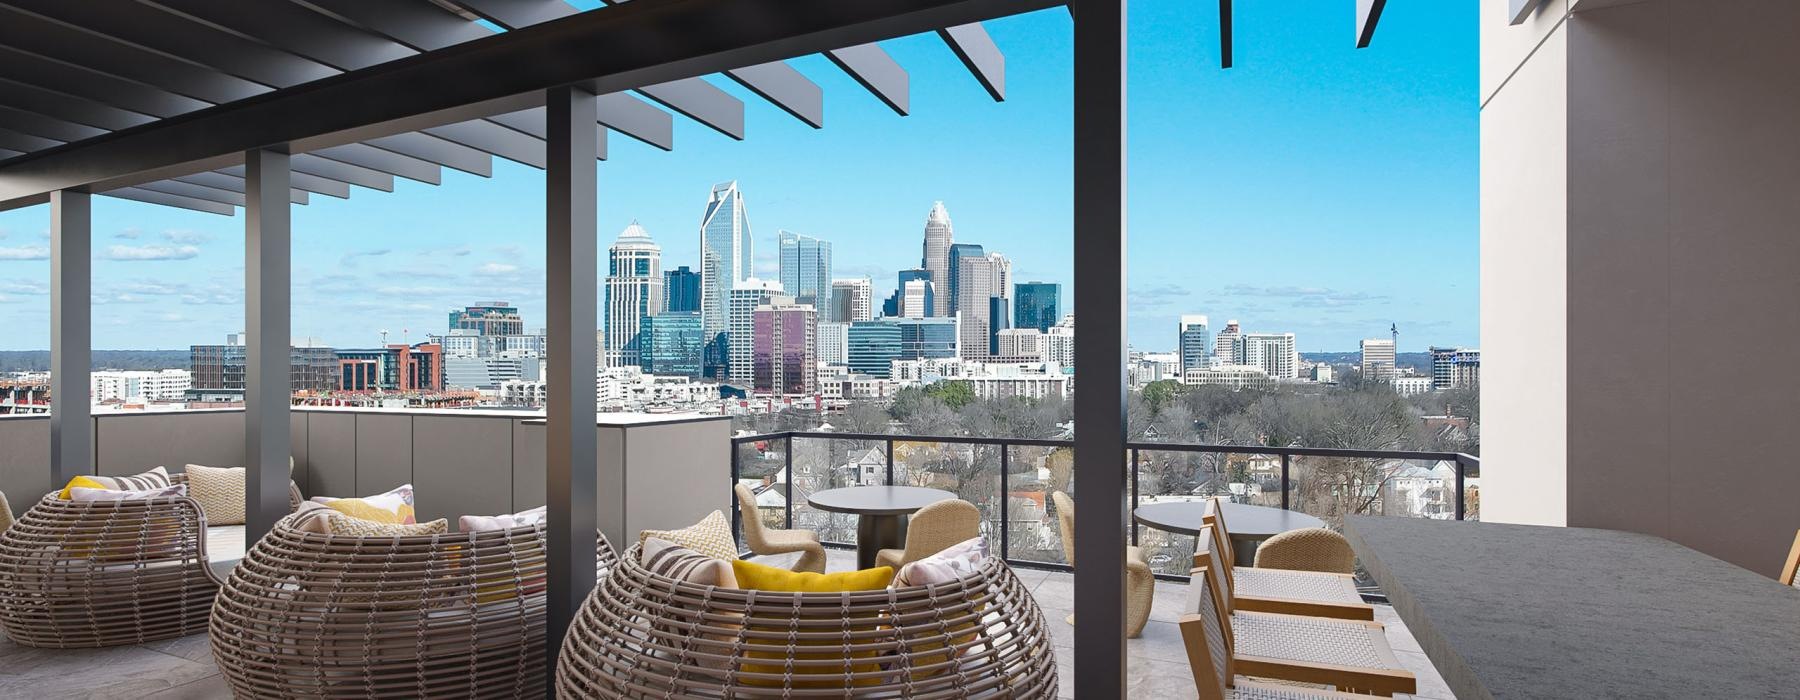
83,493
392,508
484,523
956,561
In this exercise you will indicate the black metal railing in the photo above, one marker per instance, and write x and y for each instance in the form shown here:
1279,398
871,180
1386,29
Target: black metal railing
1465,465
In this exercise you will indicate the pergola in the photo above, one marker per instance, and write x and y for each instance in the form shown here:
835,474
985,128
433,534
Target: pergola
212,105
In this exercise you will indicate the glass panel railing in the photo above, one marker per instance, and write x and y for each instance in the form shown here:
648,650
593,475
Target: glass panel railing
829,463
971,471
1033,473
761,467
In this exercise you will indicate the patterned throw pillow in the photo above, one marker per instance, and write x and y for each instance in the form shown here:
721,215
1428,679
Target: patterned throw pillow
220,491
82,493
154,479
484,523
955,562
311,517
340,524
682,564
711,537
394,507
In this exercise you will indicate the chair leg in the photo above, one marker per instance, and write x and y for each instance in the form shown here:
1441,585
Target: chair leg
811,559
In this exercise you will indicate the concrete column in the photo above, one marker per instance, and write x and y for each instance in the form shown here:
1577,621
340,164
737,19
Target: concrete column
268,387
71,336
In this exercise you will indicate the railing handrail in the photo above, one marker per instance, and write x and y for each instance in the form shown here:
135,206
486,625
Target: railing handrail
1460,457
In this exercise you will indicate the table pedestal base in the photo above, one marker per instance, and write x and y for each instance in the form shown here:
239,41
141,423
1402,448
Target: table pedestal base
875,533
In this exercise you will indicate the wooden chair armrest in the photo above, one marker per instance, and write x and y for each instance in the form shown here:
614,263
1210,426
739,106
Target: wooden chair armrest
1309,608
1378,681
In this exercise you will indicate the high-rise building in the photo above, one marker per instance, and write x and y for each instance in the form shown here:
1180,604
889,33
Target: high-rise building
952,287
217,371
999,319
873,346
1378,358
681,290
740,354
1035,305
1455,368
1275,353
489,318
896,304
916,299
726,260
936,261
784,347
927,338
399,367
1059,343
805,268
672,344
1191,339
834,342
1230,345
981,280
852,300
1014,343
634,289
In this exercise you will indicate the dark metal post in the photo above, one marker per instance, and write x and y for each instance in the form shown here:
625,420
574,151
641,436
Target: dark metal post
737,513
1134,494
1461,502
788,470
1005,520
571,255
890,462
71,336
1100,353
268,352
1285,466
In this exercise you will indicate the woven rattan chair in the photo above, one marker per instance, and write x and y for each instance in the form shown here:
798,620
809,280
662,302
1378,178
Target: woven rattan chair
329,616
1140,582
643,635
1350,654
933,529
6,514
1207,639
1313,593
765,541
106,573
1309,549
1792,566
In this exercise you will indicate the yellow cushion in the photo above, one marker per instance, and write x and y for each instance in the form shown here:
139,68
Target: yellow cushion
711,537
768,578
393,508
79,482
753,576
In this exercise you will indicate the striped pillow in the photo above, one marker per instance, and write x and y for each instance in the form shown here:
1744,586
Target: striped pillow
669,559
157,478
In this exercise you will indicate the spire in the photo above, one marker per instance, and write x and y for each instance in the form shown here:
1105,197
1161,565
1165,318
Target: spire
938,213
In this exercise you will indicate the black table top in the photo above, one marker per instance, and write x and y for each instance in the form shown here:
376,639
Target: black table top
1241,519
877,500
1521,611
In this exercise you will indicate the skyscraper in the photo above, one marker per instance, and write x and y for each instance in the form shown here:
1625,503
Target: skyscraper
1378,358
805,268
1275,353
915,300
671,344
873,346
1229,348
981,279
952,287
927,338
999,319
1455,367
740,353
634,289
784,355
936,262
726,259
852,300
489,318
681,290
834,342
896,304
1035,305
1191,337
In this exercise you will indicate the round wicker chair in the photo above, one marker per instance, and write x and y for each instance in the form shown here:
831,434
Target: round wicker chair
1307,549
643,635
330,616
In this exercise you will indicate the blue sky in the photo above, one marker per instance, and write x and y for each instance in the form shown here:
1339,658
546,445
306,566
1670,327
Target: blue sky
1312,188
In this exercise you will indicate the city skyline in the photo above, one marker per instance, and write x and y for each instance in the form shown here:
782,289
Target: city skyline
1289,170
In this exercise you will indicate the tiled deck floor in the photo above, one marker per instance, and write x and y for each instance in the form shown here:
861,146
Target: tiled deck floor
183,668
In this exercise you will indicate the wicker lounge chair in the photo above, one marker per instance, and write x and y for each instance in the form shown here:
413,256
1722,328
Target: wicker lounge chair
1208,641
1309,549
765,541
331,616
1350,654
643,635
933,529
1312,593
1140,582
6,514
1792,566
108,573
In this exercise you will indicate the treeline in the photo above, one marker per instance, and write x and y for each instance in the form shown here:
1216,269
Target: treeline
39,360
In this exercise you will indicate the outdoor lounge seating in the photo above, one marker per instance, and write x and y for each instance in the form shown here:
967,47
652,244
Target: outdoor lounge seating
334,616
644,635
107,573
766,541
1315,593
1140,582
1309,549
932,529
1209,642
1792,566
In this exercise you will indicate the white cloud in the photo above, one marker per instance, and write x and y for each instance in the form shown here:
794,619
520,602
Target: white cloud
27,252
496,268
185,236
130,234
151,252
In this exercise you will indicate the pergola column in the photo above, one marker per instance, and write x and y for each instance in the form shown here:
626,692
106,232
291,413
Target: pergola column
1100,352
71,336
570,248
268,390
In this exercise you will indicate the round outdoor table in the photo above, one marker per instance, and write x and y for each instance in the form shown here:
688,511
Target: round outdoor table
1249,525
881,514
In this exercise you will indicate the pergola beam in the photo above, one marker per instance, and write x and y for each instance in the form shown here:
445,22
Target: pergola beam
871,67
978,53
1368,14
139,194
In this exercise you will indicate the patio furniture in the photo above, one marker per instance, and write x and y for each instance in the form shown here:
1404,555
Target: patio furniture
1250,525
6,514
1787,570
334,616
881,514
1308,549
1312,593
933,529
1350,654
1208,640
108,573
767,541
644,635
1140,581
